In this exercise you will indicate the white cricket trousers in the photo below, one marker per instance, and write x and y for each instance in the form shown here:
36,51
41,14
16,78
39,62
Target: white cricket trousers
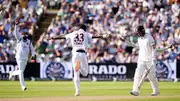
21,66
140,70
83,68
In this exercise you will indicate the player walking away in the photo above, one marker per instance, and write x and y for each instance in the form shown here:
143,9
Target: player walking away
24,46
146,61
80,40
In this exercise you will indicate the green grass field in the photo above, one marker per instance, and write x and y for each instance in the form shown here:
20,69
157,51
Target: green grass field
90,91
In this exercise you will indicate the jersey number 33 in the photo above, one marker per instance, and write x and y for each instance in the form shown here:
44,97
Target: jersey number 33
79,39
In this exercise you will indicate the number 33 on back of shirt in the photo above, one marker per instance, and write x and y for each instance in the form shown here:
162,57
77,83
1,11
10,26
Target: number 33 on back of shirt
78,39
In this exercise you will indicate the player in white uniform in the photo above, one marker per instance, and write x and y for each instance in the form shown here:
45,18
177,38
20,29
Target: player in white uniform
146,60
80,40
24,46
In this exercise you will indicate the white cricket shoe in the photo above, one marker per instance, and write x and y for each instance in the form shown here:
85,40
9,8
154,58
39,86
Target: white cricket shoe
24,89
77,94
10,75
155,94
134,93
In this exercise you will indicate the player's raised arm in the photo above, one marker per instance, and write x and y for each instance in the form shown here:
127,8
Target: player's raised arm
17,33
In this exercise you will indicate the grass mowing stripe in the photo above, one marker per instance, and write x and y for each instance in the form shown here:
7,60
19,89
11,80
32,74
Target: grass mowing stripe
11,89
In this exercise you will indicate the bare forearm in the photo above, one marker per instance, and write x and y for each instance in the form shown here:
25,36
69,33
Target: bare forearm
97,36
165,48
127,41
162,49
103,36
59,37
131,44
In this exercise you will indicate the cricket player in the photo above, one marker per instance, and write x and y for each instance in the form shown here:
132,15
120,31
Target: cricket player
23,48
80,40
146,60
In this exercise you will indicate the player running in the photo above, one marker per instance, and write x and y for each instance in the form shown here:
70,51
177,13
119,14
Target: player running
80,40
24,46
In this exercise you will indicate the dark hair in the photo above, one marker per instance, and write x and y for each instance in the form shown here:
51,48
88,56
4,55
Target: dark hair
29,36
82,26
141,30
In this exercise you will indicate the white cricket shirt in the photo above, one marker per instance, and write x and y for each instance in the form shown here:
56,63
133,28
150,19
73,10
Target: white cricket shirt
145,48
23,48
79,39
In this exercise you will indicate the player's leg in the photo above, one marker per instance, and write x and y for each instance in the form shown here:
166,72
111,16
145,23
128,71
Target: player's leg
76,79
77,83
77,64
13,73
137,77
153,80
22,66
84,65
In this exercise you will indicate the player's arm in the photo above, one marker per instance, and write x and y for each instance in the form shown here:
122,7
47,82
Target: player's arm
163,49
66,36
128,41
101,36
153,47
59,37
90,39
16,32
32,52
